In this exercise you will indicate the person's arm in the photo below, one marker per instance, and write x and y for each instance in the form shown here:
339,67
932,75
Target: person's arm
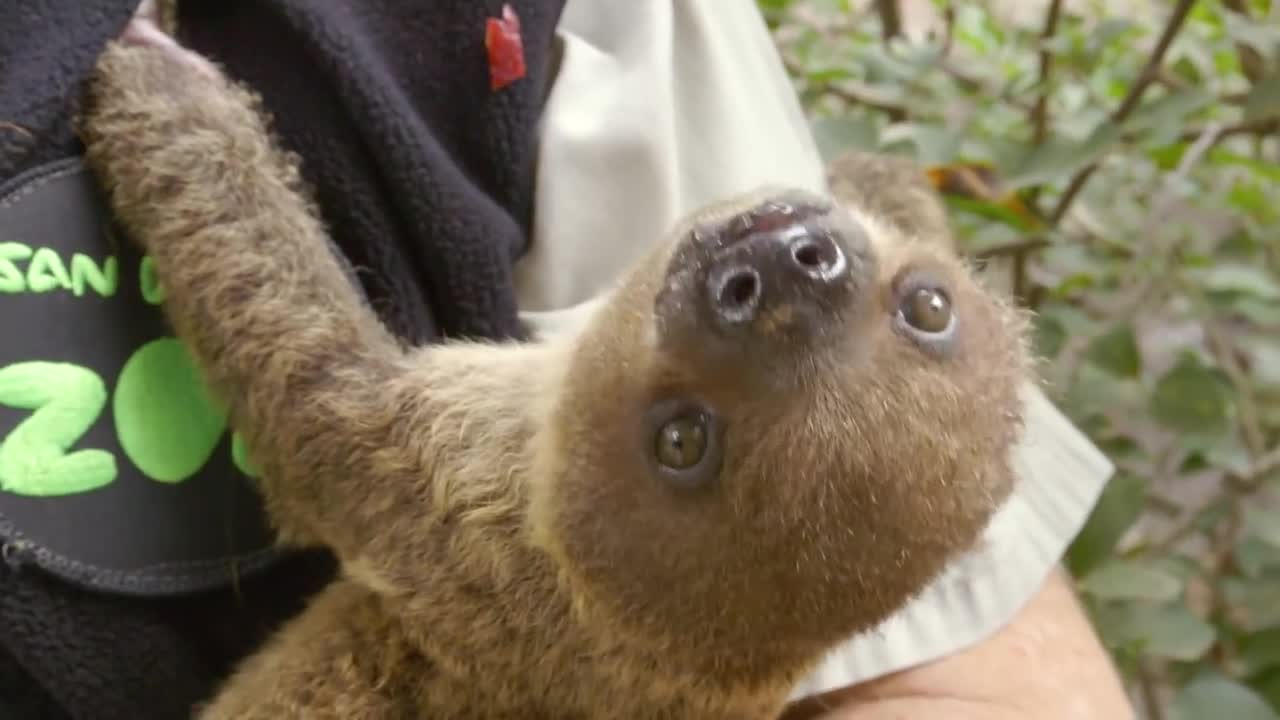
1046,664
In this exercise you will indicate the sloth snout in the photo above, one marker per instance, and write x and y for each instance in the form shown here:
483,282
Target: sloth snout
789,264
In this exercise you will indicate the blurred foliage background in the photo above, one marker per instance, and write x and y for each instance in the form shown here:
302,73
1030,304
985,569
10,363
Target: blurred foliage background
1118,170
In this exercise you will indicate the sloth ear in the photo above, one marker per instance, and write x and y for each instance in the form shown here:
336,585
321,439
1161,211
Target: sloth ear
896,190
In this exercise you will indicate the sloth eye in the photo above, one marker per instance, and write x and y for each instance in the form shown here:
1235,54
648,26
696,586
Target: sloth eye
684,443
925,313
681,443
927,310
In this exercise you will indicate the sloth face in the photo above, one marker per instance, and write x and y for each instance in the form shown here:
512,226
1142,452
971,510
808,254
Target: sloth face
779,429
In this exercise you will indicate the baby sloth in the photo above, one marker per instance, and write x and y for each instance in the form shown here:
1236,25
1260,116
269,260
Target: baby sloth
779,427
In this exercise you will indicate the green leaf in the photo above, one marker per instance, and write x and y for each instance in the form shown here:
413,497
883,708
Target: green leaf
1169,631
1263,524
1264,358
1095,390
1116,351
774,4
1253,198
1048,336
1239,278
835,135
1268,170
1108,31
1264,99
1256,602
1192,398
1058,159
1260,651
1229,454
1256,557
990,211
934,144
1211,695
1120,447
1267,684
1171,109
824,75
1258,311
1214,513
1072,318
889,68
1074,267
1131,580
1261,36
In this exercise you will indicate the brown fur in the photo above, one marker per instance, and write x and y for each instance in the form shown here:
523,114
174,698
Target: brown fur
894,188
507,551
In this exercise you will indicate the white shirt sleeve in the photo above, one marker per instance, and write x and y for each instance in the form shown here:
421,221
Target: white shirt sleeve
661,106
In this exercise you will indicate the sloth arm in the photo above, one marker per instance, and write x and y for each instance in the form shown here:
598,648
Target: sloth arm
325,396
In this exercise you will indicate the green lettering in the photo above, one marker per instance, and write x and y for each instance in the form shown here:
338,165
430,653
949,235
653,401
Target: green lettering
46,272
104,280
151,290
66,401
240,456
11,280
167,422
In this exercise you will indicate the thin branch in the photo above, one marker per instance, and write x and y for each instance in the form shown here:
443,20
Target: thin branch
860,94
890,28
1165,77
1039,116
1073,189
890,19
1011,249
1164,505
1222,564
1251,63
1144,79
1040,112
977,87
1150,698
1266,464
1131,100
1192,157
948,30
1249,417
1165,469
1240,485
1020,252
1257,125
851,92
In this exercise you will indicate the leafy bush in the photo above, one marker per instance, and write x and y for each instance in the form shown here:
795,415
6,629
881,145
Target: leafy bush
1122,174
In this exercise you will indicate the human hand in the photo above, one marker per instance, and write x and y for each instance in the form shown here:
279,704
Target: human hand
1046,664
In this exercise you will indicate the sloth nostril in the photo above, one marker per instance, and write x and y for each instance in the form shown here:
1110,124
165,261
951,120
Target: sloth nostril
735,293
819,257
741,288
808,254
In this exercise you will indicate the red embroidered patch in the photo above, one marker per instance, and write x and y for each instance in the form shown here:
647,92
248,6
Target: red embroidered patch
506,49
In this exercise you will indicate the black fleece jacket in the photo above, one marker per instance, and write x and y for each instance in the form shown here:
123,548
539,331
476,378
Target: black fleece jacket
424,174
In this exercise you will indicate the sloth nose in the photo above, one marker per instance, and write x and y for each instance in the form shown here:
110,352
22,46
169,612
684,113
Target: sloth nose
791,262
